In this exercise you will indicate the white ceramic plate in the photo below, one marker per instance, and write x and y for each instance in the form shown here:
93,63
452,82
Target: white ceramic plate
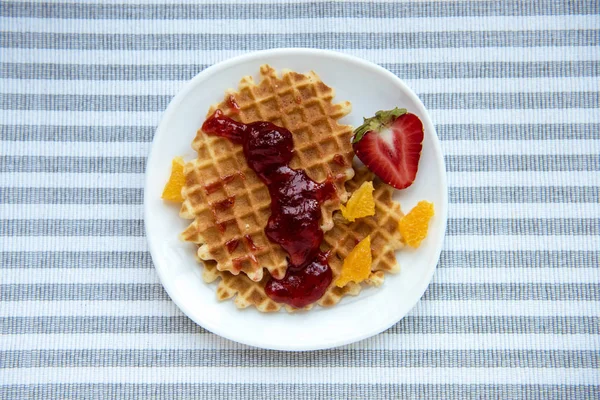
369,88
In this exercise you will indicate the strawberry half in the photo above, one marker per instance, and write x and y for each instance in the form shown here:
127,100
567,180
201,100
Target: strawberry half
390,145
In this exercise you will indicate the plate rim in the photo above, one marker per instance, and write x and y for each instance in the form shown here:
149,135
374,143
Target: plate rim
251,56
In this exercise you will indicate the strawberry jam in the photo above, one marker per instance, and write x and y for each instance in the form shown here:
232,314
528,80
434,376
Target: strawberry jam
339,159
295,206
232,104
232,244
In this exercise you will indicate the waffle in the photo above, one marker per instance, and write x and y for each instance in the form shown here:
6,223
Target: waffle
229,204
385,240
247,292
385,237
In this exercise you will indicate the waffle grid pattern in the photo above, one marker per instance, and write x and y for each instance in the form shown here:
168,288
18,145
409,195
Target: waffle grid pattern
340,241
238,240
383,227
302,104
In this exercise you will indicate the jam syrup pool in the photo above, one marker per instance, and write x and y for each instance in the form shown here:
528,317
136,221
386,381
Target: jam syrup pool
295,206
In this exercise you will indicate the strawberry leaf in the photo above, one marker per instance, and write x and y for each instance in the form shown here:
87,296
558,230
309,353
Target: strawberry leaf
381,119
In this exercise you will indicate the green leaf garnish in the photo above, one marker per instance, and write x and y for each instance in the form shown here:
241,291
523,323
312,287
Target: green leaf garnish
381,119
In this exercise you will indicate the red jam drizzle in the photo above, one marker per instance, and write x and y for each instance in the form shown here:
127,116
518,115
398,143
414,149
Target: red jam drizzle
225,203
232,244
214,186
239,262
250,243
232,104
222,225
295,206
339,159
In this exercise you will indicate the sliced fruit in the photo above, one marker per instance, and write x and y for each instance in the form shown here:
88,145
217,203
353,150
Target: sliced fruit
357,265
361,203
414,225
172,191
390,145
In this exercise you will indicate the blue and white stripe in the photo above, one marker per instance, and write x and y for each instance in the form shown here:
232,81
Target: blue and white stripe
513,310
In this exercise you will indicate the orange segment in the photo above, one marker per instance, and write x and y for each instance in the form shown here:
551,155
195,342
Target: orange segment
357,265
172,191
361,203
414,225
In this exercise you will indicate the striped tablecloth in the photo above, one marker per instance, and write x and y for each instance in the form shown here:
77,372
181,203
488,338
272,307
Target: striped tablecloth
513,309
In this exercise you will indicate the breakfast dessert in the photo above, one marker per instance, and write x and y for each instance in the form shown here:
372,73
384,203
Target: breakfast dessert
382,228
229,203
274,187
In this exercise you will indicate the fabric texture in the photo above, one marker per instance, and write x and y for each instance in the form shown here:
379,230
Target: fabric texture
513,88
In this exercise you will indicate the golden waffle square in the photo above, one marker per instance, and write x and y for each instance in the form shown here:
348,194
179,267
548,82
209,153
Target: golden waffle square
229,204
382,227
385,241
